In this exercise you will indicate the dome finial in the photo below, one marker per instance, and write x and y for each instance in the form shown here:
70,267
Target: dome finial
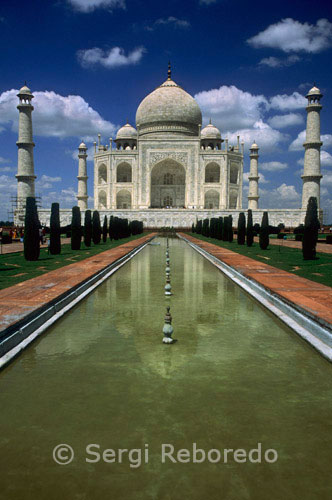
169,72
210,121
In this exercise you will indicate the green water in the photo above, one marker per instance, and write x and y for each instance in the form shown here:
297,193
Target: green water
235,378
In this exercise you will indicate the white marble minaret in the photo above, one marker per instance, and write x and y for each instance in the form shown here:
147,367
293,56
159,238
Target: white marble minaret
82,191
253,178
311,172
25,166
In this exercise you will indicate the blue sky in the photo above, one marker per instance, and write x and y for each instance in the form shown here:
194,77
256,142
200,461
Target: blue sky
89,64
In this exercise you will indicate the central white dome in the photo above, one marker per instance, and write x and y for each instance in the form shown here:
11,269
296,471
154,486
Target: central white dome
169,108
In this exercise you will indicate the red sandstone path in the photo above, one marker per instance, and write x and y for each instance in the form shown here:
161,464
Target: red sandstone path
313,297
320,247
24,298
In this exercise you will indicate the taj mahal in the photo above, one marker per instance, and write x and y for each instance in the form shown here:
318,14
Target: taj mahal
169,171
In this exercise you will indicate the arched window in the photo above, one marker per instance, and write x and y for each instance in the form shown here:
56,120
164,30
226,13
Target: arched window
211,200
233,174
123,172
168,178
168,202
212,173
102,174
232,200
123,199
102,200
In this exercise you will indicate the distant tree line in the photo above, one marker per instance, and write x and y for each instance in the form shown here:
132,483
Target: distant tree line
92,231
221,228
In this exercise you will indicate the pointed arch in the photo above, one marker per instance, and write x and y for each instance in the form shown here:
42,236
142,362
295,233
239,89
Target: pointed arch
211,199
123,199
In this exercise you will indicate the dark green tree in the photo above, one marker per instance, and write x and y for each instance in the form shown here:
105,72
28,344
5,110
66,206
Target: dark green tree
105,229
199,227
264,232
31,230
250,229
96,228
193,228
111,228
230,228
76,230
241,229
219,228
55,230
310,233
225,229
206,228
87,228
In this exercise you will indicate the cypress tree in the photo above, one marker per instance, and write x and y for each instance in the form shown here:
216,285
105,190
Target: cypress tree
192,227
241,229
87,228
225,229
264,232
219,228
31,230
116,228
206,228
96,228
55,231
111,228
76,230
105,229
230,228
250,229
199,227
310,233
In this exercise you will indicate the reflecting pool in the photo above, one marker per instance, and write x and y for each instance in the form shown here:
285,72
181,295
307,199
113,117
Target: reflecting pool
235,378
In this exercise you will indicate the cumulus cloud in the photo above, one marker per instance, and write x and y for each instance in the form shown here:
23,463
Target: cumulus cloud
7,169
273,166
56,115
90,5
285,102
325,159
283,121
284,196
46,182
266,137
290,35
170,21
276,62
297,144
112,58
230,107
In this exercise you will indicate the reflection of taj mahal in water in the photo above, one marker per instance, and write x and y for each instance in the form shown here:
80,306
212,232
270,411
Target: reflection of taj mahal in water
168,162
169,171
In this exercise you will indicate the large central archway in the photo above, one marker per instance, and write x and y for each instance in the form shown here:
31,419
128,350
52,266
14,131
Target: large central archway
168,185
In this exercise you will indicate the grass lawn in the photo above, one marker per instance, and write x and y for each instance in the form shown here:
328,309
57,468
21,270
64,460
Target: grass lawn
282,257
14,268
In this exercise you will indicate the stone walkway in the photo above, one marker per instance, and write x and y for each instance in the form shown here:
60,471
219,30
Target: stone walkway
17,246
24,298
321,247
314,298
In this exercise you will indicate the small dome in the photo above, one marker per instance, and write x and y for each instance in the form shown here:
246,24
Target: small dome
127,132
254,146
25,90
314,91
210,132
82,146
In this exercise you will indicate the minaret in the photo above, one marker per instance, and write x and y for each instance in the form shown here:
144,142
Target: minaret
82,191
25,167
253,178
311,172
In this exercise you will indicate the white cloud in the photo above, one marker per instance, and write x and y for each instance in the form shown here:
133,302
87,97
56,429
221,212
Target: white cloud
90,5
297,144
276,62
325,159
284,196
266,137
56,115
326,180
231,108
7,169
8,188
4,160
46,182
273,166
283,121
90,152
170,21
290,35
112,58
287,102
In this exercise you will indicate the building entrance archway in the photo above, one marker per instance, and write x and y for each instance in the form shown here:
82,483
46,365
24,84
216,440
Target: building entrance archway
168,185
